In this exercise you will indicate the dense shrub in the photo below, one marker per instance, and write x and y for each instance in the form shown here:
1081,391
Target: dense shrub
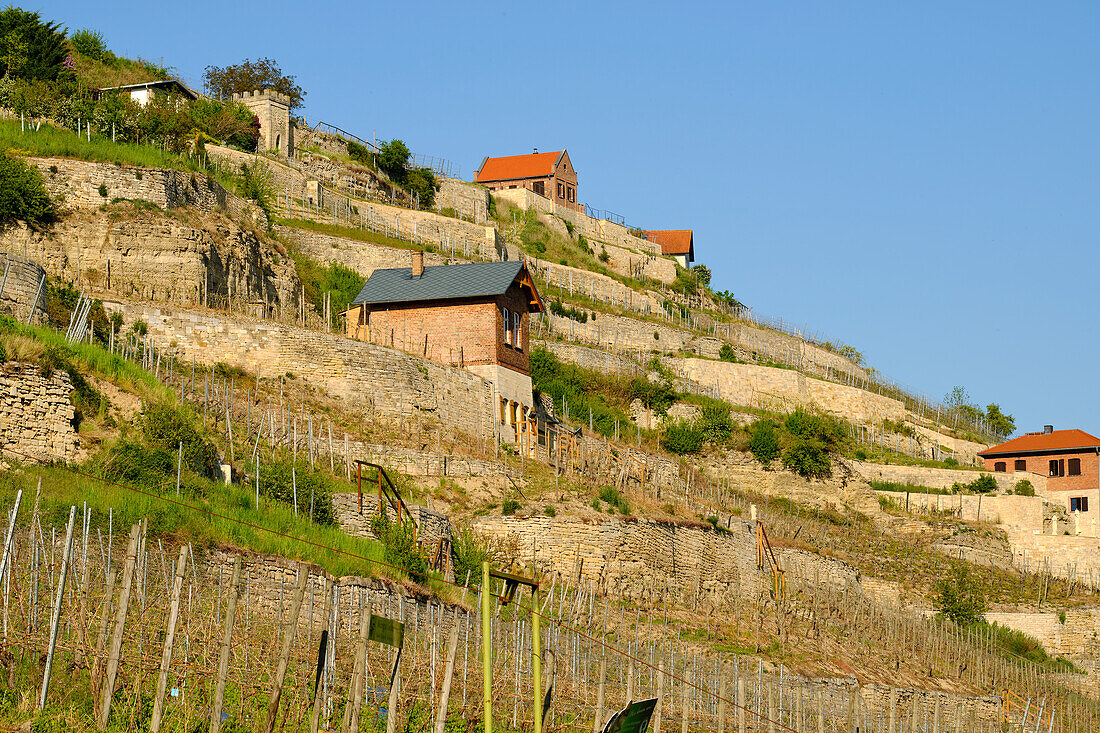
682,437
165,427
1024,488
399,541
23,197
716,423
313,490
615,499
959,596
807,457
984,484
470,551
728,353
359,152
577,314
583,390
510,507
764,441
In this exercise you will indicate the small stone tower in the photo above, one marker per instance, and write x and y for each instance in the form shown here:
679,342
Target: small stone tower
273,110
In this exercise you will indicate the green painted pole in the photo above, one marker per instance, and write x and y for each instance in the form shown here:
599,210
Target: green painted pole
536,659
486,649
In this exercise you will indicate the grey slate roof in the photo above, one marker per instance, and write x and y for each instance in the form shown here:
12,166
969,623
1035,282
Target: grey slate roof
439,282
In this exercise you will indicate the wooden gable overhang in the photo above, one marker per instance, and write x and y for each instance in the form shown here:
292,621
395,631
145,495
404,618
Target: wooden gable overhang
527,283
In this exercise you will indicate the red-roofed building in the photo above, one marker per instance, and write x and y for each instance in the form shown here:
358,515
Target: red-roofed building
1069,458
676,243
548,174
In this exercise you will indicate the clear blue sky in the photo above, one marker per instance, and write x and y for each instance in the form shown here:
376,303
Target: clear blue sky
918,180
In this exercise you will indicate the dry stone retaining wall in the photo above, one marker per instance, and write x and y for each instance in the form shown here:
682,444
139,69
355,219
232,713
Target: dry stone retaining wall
36,415
784,389
940,478
469,200
647,561
151,256
19,288
392,383
76,183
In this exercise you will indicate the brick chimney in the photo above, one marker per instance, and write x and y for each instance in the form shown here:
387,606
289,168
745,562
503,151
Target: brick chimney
418,264
1048,429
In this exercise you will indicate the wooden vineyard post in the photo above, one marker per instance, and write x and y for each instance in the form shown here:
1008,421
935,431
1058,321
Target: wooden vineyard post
448,674
660,695
120,627
355,688
227,637
284,654
169,639
597,721
740,704
55,620
486,652
723,686
318,688
536,661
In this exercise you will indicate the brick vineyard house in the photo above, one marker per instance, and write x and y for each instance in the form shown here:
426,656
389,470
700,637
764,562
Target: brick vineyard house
679,244
475,316
1070,459
548,174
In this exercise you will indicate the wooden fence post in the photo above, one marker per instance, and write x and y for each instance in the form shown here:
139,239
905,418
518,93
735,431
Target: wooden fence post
56,618
448,673
723,685
108,691
597,720
740,704
288,642
169,639
660,696
227,636
315,717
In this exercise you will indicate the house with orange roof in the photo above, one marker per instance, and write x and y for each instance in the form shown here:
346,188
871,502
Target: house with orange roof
679,244
551,175
1070,459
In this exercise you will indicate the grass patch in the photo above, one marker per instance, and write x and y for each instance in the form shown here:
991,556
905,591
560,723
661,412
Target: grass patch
359,235
906,488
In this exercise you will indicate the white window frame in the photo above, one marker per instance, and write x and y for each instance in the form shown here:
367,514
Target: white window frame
516,341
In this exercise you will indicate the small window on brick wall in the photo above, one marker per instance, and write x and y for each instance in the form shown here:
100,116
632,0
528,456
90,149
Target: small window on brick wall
1058,467
1078,503
516,338
1074,467
999,466
1021,465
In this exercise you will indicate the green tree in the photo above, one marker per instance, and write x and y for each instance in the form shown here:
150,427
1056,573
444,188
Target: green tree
393,159
23,197
92,44
247,76
32,48
702,274
1001,424
959,596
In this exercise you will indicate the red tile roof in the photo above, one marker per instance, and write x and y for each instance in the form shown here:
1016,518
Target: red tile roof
512,167
672,241
1044,442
